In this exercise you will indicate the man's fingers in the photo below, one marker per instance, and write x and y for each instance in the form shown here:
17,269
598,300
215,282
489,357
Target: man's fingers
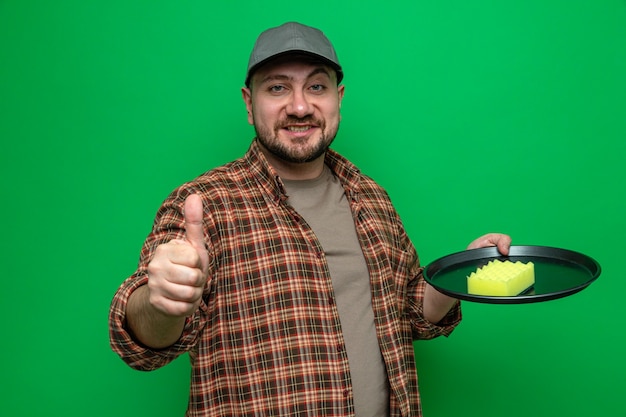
504,244
501,241
194,213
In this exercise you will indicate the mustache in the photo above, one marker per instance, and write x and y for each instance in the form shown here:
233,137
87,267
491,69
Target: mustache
290,120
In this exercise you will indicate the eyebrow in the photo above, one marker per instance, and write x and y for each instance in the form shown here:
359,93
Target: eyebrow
282,77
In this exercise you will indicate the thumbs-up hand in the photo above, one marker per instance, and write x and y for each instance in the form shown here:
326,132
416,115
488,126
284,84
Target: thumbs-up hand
178,272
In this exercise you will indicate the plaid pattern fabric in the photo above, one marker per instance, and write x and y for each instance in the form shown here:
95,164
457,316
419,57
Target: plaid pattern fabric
267,340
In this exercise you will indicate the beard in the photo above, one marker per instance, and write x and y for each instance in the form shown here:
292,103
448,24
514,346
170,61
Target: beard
299,150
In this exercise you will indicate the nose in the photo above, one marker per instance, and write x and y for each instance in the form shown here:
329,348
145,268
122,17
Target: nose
299,105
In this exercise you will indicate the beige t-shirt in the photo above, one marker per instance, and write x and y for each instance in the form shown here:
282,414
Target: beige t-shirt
323,204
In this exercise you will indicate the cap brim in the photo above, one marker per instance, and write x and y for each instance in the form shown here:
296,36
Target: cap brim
331,64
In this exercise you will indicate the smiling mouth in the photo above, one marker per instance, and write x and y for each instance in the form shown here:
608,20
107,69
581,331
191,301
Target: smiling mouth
298,129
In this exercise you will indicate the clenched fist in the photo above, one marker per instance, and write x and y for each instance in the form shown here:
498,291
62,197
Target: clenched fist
178,272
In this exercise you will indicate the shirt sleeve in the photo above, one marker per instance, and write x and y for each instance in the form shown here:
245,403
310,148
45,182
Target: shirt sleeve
422,328
168,225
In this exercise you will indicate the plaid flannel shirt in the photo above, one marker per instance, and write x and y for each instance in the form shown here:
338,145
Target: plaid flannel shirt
267,340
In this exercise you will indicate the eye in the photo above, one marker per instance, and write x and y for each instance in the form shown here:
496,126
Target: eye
276,89
318,88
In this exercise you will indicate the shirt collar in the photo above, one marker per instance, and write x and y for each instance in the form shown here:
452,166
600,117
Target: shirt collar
349,175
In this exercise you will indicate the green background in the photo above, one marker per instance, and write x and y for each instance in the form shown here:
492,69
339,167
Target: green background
477,116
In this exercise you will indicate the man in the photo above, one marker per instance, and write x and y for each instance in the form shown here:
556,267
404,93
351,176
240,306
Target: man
287,275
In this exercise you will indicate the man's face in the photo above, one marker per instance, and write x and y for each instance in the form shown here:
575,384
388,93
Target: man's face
294,107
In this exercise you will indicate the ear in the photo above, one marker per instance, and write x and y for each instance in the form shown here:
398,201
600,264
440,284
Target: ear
246,94
340,91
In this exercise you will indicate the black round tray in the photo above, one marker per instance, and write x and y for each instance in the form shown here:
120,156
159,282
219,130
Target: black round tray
558,273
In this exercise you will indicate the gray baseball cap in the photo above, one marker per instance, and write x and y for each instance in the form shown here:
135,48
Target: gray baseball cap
289,38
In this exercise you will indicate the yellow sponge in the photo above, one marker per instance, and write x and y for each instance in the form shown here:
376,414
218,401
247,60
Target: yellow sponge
499,278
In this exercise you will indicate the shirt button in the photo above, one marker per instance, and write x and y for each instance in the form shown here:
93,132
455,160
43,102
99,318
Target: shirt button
331,300
339,348
346,392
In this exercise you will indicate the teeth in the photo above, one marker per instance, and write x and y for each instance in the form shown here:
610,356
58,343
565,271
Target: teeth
297,128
